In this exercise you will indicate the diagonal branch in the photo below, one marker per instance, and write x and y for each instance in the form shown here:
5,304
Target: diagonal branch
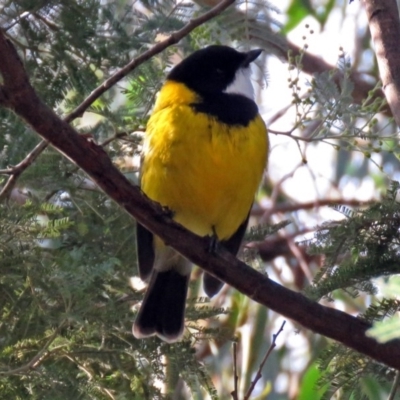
329,322
264,360
35,361
158,48
17,170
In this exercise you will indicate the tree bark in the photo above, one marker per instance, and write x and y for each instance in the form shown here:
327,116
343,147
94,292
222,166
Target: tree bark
384,25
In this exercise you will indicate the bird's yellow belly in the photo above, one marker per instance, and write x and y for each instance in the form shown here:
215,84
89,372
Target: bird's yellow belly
204,171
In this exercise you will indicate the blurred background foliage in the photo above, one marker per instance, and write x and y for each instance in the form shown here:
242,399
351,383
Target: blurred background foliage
68,284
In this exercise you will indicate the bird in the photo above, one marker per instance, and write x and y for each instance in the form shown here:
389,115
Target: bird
204,153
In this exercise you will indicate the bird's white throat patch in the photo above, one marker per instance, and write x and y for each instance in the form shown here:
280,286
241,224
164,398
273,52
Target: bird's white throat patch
242,84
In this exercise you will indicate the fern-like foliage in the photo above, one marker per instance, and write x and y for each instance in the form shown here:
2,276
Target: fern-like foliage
348,372
362,247
66,251
260,232
65,308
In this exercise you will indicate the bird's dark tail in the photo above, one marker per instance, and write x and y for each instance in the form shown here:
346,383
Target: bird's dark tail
163,309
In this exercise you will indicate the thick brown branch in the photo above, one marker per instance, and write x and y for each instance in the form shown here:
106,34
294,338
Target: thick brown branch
94,161
259,375
384,25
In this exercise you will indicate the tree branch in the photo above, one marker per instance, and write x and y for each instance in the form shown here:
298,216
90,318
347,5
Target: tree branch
17,170
34,362
169,41
395,386
329,322
235,392
384,25
293,207
259,375
156,49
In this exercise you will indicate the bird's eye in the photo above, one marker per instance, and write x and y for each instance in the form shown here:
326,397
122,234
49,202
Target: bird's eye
219,71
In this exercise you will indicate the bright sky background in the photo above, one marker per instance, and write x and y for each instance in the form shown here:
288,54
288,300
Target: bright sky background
314,180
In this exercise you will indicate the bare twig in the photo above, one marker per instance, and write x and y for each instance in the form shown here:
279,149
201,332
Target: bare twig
235,375
35,361
20,168
258,375
50,24
169,41
17,20
395,386
88,373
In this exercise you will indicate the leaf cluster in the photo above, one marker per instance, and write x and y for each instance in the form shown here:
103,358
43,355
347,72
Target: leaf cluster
67,252
362,247
327,112
352,374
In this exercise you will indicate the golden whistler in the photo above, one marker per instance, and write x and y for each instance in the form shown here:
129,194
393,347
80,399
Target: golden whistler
204,154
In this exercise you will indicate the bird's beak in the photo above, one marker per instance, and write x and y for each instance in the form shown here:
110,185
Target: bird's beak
251,56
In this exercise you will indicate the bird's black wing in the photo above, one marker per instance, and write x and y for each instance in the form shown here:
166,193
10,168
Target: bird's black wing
213,285
145,251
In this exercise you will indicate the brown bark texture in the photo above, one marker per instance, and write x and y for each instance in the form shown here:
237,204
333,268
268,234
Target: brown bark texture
384,25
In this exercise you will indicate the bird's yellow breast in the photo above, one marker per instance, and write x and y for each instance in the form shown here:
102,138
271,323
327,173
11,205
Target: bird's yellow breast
206,172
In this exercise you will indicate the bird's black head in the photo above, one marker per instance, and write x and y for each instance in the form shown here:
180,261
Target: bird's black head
212,69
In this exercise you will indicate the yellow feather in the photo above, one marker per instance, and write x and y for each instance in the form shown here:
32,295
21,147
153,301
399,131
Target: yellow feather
203,170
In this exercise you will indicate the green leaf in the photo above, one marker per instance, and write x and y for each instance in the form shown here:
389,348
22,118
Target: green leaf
308,388
297,11
383,331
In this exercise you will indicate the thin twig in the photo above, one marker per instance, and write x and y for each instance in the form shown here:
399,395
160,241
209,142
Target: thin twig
395,386
258,376
286,208
159,47
235,375
50,24
34,362
20,168
117,135
124,71
17,20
